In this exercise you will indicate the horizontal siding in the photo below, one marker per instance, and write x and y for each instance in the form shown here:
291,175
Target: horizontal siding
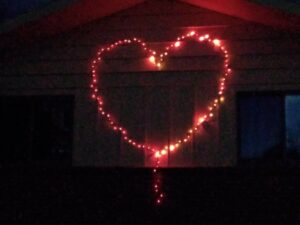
204,63
165,21
238,47
267,77
95,37
44,82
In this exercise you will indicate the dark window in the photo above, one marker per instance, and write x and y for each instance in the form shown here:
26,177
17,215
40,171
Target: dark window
292,112
269,127
36,129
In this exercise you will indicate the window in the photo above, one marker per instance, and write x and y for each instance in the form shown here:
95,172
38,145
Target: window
269,127
292,120
36,129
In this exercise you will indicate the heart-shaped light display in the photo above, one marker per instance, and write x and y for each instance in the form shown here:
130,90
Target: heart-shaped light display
157,59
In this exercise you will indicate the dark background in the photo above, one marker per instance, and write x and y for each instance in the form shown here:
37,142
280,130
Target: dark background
124,196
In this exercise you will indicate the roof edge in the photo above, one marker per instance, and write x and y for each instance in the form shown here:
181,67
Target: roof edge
251,12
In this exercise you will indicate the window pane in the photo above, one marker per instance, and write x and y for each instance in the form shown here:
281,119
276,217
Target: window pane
292,118
260,121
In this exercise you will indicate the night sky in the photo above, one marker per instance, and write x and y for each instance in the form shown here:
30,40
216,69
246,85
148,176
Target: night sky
13,8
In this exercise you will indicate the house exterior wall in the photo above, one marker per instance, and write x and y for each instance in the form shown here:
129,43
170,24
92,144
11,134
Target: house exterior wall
263,59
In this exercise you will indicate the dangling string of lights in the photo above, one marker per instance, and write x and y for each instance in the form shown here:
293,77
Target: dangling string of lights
158,60
157,184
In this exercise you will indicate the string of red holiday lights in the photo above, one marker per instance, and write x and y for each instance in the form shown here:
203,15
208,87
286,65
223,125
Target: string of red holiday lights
157,60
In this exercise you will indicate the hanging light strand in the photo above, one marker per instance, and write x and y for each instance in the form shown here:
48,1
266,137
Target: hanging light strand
157,60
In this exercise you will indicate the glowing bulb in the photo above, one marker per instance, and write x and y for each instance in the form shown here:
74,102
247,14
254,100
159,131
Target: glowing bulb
201,38
222,99
192,33
217,42
206,36
158,65
152,59
177,44
201,120
172,147
163,152
157,154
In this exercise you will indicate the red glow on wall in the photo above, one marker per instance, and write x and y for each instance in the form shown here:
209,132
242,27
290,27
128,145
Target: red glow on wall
176,144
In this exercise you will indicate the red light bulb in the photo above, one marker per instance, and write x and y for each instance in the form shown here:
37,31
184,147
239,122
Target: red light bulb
177,44
217,42
152,59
